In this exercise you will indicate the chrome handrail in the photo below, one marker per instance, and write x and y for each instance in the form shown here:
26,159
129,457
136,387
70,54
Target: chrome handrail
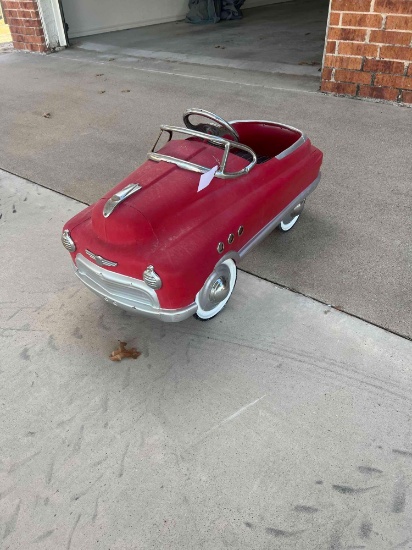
186,165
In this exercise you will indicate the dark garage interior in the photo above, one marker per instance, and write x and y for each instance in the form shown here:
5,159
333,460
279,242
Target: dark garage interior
285,38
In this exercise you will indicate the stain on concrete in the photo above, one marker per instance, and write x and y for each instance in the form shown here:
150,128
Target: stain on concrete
79,439
305,509
121,466
51,342
10,525
401,452
335,541
399,496
367,470
365,529
282,533
346,490
77,334
24,354
44,536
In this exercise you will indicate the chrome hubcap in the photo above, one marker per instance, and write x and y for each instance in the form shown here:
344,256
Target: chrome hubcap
220,290
216,288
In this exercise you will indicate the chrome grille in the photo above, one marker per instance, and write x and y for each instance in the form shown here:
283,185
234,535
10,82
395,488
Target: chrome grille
116,288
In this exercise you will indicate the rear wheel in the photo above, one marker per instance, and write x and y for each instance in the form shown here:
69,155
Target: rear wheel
289,221
216,291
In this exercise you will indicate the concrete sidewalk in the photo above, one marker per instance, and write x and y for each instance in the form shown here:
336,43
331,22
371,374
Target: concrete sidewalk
281,424
352,247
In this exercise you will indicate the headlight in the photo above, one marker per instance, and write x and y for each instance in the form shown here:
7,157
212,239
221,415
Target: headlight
67,241
151,278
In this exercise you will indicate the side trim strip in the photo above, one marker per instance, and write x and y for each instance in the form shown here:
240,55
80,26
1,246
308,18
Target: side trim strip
269,227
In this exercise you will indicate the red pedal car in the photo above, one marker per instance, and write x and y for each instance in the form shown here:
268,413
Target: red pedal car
166,240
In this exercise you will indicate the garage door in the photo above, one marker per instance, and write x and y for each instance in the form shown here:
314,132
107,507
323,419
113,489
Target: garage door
86,17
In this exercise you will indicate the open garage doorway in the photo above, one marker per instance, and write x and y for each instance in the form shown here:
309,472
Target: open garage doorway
283,38
5,35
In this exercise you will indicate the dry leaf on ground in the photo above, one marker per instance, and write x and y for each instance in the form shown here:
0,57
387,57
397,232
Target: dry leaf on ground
121,352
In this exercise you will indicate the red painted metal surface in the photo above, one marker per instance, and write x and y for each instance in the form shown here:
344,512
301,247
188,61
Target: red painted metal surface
172,226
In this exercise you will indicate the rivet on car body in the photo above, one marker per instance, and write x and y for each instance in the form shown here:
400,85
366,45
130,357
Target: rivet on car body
231,238
240,230
220,247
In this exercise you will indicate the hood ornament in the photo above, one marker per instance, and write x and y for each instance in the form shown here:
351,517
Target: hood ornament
119,197
100,260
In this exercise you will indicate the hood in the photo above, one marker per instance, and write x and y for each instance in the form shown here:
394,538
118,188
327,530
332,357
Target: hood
165,189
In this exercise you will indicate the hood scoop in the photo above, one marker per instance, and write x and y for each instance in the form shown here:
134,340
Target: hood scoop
119,197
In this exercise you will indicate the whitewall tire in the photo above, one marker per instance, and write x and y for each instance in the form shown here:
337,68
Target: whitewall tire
216,291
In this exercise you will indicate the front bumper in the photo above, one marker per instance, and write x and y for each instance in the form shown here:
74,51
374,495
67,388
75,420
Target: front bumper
126,292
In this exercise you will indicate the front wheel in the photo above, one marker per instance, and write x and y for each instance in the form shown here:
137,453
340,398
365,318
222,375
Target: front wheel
289,221
216,291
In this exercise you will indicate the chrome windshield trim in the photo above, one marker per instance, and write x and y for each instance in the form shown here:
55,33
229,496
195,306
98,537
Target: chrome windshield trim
269,227
220,173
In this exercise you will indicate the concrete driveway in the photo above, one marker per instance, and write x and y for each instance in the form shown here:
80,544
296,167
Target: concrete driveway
352,247
281,424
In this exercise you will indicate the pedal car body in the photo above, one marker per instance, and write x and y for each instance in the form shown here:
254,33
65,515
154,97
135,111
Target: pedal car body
161,245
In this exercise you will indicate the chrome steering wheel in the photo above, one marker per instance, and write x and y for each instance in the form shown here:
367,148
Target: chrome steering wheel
221,128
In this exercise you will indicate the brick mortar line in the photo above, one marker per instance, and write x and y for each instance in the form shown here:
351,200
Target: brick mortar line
380,44
370,29
373,58
386,13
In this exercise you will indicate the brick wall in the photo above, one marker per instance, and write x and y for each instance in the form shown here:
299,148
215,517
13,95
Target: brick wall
369,49
25,25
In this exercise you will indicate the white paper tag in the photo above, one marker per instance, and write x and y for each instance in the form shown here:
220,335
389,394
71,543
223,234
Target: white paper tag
206,178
